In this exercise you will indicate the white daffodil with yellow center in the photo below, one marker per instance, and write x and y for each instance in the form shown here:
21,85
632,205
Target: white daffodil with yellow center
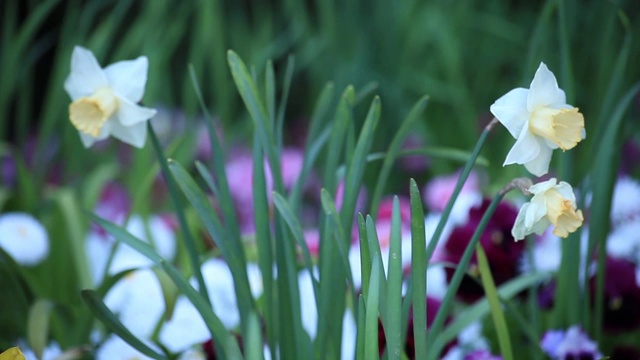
541,121
105,100
554,204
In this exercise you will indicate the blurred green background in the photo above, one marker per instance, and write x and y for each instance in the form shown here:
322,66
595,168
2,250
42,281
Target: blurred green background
463,54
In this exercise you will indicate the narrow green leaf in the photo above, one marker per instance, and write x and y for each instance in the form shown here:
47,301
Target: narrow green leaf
122,235
494,304
320,111
393,331
264,127
270,92
357,164
283,99
371,316
218,166
376,256
72,215
393,152
294,225
254,347
231,250
361,323
365,256
189,242
206,176
102,312
461,180
329,208
418,271
341,121
38,325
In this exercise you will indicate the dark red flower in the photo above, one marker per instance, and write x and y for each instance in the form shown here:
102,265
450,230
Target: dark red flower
502,251
621,296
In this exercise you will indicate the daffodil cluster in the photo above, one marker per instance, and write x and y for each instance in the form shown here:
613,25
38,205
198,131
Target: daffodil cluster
541,121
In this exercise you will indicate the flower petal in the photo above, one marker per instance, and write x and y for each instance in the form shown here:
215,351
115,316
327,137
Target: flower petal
130,113
86,74
135,135
544,89
526,148
540,164
128,78
511,110
543,186
88,140
519,230
566,191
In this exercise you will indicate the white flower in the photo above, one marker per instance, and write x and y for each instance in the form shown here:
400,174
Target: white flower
552,204
105,100
625,205
116,348
138,300
23,238
541,121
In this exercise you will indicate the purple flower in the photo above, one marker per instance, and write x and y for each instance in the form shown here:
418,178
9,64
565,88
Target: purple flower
114,205
569,345
502,251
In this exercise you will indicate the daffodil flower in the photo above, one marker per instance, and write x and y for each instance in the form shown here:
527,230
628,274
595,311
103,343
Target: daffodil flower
554,204
105,100
541,121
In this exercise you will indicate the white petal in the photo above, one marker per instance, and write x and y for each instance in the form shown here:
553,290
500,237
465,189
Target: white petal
543,186
308,308
540,164
526,148
88,140
544,89
561,101
185,328
511,110
219,280
86,74
135,135
130,113
566,191
24,238
519,230
128,78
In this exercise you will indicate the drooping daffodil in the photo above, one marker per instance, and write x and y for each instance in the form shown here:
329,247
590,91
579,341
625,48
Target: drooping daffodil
552,203
105,100
541,121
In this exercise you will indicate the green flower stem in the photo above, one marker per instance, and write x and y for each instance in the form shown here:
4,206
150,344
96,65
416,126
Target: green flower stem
461,180
173,194
461,269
